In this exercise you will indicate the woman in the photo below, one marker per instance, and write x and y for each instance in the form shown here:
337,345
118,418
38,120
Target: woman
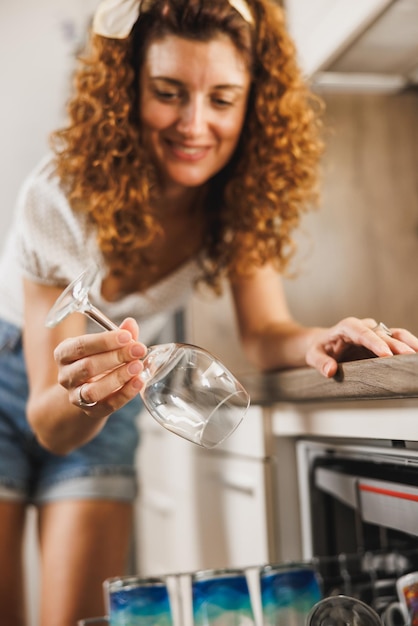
190,154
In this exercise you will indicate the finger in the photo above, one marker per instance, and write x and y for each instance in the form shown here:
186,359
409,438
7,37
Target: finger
96,365
76,348
368,321
328,345
352,330
318,358
399,340
406,337
111,402
131,326
101,388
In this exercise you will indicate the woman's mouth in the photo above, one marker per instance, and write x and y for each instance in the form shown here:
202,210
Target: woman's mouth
187,152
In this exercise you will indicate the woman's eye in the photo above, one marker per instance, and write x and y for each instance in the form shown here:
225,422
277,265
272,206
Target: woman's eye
164,94
222,102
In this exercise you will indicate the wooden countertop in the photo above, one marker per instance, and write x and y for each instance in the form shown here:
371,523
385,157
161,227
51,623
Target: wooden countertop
375,378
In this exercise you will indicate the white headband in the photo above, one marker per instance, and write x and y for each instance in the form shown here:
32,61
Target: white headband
115,18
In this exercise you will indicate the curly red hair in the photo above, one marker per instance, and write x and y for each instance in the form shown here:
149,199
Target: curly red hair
255,202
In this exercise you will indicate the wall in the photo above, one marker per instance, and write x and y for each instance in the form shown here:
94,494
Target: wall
365,237
38,41
358,253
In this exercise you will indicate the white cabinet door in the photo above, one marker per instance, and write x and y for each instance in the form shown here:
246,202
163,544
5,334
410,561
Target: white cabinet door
166,538
221,523
322,28
200,508
232,522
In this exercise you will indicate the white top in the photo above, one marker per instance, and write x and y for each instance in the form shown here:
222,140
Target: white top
50,244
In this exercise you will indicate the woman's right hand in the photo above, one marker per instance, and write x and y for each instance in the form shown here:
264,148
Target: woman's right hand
62,359
102,369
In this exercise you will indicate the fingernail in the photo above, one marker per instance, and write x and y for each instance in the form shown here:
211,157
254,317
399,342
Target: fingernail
327,369
124,337
137,383
137,350
134,368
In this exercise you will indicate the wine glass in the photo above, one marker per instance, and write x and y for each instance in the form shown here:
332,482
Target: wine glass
342,611
187,390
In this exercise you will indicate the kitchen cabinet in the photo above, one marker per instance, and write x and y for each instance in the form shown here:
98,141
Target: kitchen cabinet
321,29
200,508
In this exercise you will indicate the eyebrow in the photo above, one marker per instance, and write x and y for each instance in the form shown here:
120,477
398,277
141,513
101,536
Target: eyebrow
179,83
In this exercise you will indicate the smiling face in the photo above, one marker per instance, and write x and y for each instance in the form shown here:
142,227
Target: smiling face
192,106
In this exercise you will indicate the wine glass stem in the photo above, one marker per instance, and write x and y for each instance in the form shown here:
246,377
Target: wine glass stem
97,316
102,320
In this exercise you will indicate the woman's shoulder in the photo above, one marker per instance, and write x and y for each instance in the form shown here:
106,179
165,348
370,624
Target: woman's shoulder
51,237
43,197
42,178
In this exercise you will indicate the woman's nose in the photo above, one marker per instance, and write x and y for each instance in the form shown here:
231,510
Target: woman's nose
192,118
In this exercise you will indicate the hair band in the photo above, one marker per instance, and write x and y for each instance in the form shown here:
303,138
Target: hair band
115,18
243,9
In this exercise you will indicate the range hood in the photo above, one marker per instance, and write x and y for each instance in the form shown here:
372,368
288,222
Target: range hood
363,45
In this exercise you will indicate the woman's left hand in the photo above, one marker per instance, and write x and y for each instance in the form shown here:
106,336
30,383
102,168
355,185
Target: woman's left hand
354,336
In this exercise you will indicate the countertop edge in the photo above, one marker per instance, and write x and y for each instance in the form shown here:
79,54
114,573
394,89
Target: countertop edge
374,378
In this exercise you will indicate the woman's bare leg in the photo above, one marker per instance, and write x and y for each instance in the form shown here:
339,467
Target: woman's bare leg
12,523
83,542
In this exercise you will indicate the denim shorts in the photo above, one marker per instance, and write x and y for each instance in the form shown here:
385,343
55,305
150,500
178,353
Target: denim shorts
104,468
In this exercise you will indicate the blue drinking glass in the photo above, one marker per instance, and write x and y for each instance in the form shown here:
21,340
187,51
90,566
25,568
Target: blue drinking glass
221,598
288,593
134,601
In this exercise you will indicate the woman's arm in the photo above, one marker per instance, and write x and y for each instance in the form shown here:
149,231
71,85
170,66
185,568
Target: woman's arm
61,359
272,339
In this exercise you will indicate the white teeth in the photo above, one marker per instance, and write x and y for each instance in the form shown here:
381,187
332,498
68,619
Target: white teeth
186,149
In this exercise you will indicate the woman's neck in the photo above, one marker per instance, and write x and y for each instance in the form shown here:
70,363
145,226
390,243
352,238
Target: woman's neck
178,201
